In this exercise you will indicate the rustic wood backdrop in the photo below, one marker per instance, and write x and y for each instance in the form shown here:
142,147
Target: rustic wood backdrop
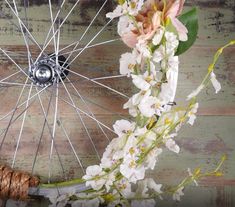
201,145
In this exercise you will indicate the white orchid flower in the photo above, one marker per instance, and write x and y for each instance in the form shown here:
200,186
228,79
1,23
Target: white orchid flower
178,194
143,49
172,64
126,7
137,98
117,12
124,187
134,101
216,84
131,170
127,63
144,82
122,127
158,36
133,110
192,113
91,173
151,106
159,54
195,92
152,158
171,42
125,25
172,146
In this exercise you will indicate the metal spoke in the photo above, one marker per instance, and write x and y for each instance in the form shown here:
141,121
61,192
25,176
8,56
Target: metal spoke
25,40
14,63
91,46
72,147
87,29
80,117
52,25
98,83
21,129
12,111
2,83
22,23
13,23
87,45
100,106
109,77
43,128
46,122
10,76
16,54
45,46
18,116
68,138
53,131
53,28
86,114
12,116
89,110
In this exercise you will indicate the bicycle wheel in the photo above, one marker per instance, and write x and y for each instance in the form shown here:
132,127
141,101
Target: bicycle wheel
60,87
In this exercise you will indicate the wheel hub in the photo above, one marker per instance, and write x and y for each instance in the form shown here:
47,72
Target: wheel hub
46,72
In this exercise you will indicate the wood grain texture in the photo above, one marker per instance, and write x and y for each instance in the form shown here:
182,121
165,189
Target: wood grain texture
201,145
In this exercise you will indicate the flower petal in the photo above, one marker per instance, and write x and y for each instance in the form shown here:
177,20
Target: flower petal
216,84
181,29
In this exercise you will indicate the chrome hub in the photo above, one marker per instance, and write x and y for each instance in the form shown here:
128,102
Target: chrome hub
46,72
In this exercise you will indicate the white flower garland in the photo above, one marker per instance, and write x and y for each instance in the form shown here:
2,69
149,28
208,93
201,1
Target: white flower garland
152,30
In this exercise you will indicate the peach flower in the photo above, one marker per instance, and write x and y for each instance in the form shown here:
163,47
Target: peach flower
149,21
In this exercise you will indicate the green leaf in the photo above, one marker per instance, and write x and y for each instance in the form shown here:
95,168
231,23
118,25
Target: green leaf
190,20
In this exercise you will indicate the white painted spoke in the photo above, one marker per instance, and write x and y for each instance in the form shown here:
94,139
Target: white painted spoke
2,83
89,110
57,48
21,129
13,113
64,20
53,24
98,83
88,115
22,24
53,132
72,147
43,128
17,54
80,117
87,45
53,28
91,46
87,29
18,116
46,122
14,62
23,33
109,77
20,105
10,76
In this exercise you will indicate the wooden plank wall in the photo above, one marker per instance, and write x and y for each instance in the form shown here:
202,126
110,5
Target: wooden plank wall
201,145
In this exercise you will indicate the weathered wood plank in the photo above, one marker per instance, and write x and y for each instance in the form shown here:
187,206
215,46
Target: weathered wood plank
200,146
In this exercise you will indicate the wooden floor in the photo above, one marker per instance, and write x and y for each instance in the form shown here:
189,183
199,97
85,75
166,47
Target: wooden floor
201,145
